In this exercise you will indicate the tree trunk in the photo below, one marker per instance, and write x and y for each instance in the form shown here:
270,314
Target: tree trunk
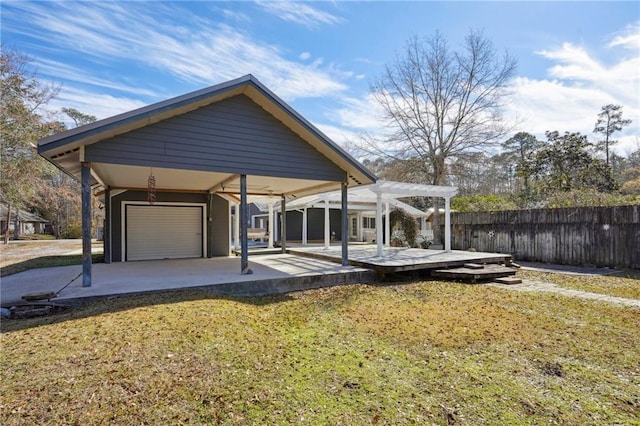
16,225
6,231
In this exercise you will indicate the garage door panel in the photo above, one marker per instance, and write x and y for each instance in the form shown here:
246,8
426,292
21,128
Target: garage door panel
163,232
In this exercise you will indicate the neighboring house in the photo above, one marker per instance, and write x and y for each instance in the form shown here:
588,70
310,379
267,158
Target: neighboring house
169,173
28,223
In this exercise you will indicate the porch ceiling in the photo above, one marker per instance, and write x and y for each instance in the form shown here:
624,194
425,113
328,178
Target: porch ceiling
135,177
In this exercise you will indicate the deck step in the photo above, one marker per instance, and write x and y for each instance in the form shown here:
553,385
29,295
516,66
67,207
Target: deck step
508,280
473,266
488,273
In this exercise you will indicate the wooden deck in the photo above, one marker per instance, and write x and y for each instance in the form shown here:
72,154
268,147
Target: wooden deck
398,259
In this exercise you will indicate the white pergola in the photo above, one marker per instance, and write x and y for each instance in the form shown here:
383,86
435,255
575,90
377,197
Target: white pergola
387,192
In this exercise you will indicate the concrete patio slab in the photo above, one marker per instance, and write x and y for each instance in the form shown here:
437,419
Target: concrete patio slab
271,274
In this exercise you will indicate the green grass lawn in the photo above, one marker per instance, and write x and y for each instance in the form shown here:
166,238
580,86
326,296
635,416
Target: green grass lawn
409,353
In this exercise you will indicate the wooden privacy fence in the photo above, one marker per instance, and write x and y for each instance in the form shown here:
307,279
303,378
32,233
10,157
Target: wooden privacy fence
588,236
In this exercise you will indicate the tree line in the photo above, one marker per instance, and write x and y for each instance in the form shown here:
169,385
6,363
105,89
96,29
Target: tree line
27,181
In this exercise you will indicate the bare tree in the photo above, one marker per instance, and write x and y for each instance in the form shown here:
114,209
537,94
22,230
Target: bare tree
440,103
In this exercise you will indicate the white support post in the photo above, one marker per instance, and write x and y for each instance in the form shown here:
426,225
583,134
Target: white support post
231,229
270,225
327,224
380,251
387,226
304,227
276,225
236,228
447,224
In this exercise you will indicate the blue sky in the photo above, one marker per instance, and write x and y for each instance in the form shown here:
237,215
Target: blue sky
321,57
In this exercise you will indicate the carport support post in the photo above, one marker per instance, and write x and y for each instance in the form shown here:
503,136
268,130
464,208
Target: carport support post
447,224
345,226
86,223
243,217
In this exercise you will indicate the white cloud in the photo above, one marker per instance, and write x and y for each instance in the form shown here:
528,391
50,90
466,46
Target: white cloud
299,13
579,85
111,35
361,114
304,56
629,38
89,102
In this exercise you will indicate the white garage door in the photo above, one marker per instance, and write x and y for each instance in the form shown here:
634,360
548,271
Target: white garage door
163,232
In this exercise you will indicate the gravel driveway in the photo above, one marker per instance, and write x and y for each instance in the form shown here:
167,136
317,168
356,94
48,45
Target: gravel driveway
18,251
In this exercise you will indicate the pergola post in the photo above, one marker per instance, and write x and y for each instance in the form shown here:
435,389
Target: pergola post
345,226
387,226
283,230
244,218
380,251
447,224
327,224
270,225
106,233
236,228
86,223
304,227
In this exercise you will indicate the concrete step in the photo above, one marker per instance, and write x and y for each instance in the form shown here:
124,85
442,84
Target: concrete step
488,273
508,280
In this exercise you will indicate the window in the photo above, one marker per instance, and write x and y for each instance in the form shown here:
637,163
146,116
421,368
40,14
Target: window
369,222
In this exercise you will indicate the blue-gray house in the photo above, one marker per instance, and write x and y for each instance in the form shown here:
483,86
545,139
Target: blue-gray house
169,172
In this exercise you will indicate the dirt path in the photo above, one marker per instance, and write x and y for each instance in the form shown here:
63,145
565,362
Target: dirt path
530,285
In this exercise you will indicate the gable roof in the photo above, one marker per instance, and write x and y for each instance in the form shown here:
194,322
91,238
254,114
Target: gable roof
63,148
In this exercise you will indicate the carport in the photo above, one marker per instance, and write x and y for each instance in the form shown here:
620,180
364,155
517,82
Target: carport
169,173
